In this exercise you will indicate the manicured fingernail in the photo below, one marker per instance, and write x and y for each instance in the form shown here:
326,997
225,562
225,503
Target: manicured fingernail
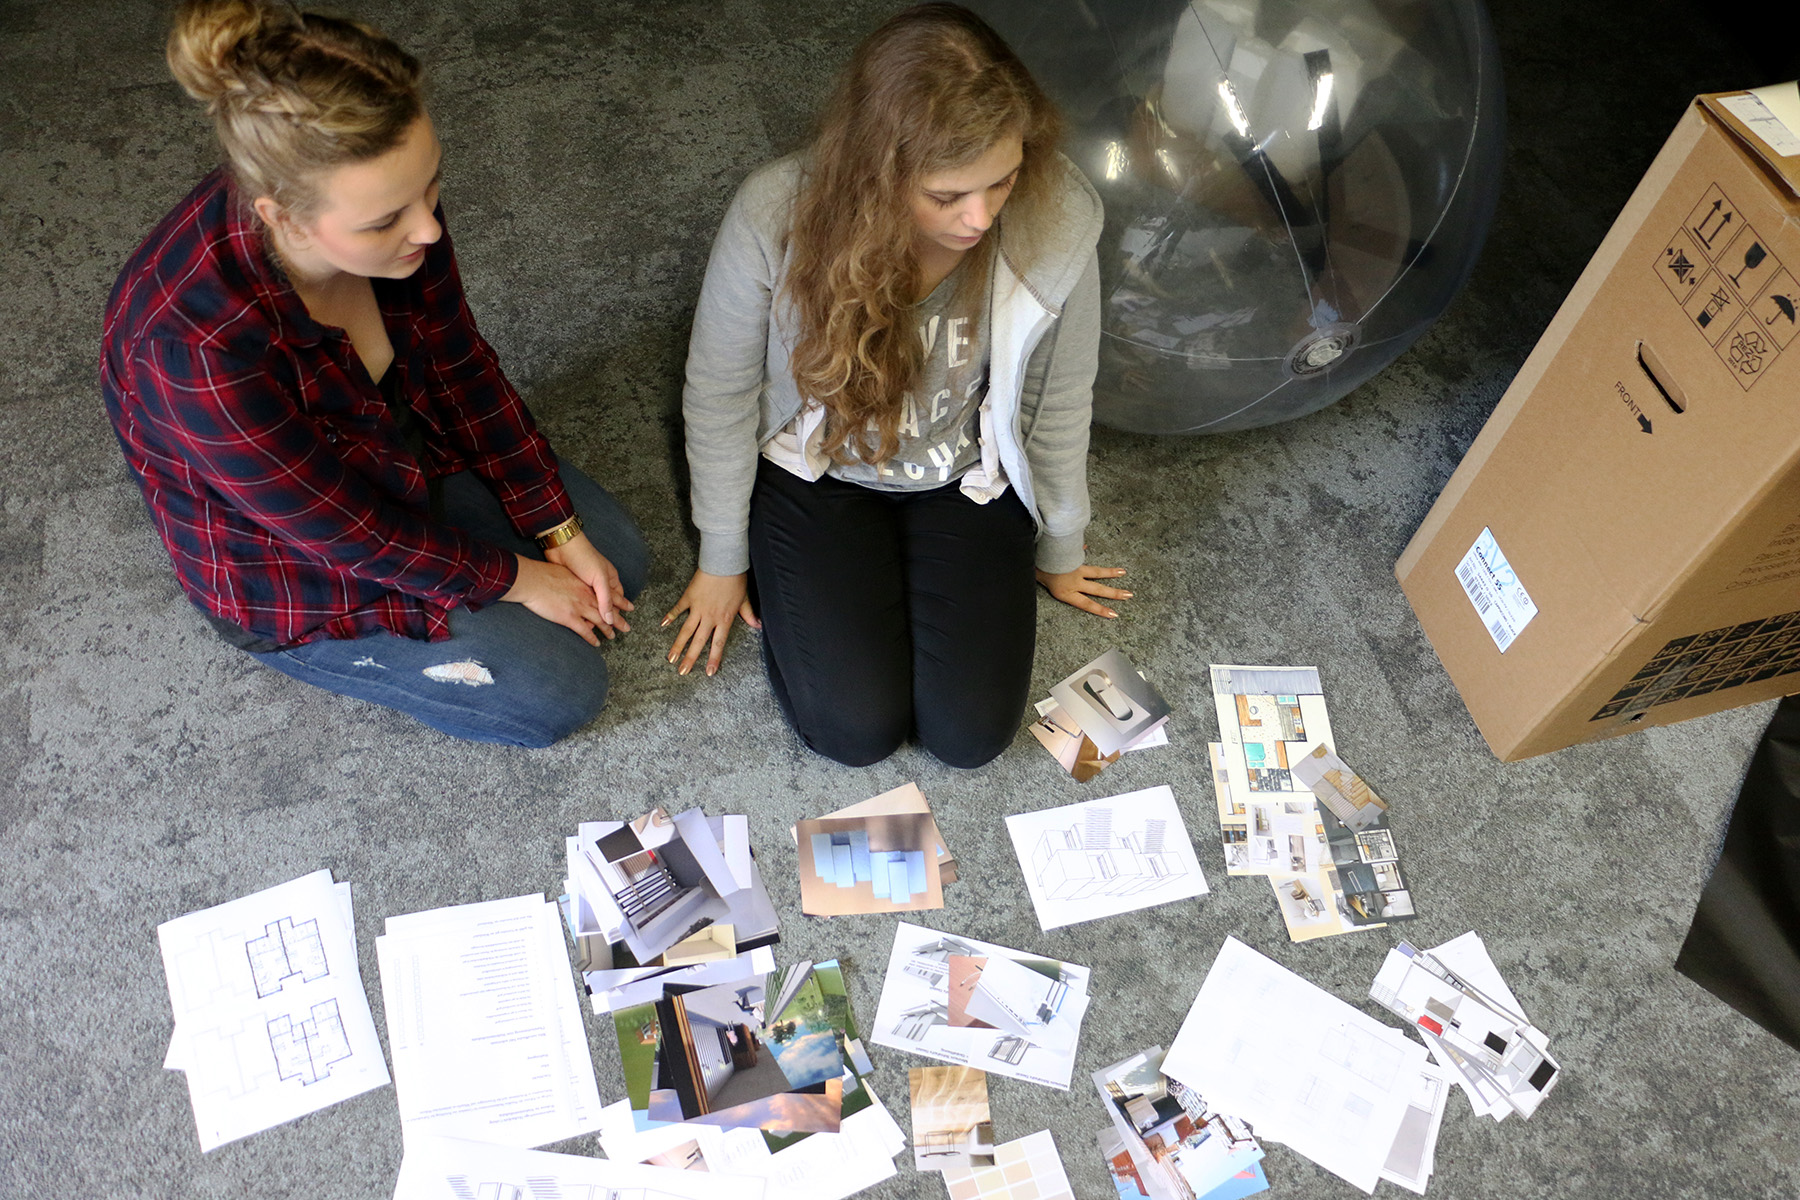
1128,595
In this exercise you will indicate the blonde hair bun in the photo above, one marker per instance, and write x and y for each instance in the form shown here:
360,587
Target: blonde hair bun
207,45
292,94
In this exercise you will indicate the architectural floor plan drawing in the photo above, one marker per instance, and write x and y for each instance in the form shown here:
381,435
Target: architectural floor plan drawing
1270,718
305,1050
271,1020
1101,858
286,951
1299,1064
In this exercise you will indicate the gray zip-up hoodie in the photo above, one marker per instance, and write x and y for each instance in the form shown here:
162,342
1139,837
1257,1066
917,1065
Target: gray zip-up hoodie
1044,343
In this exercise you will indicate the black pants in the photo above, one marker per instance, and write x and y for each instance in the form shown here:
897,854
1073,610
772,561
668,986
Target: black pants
886,613
1744,945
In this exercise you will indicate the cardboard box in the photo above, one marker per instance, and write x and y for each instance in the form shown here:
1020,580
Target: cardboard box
1621,546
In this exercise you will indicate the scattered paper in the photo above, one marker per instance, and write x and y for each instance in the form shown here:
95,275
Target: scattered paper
1073,750
271,1019
1101,858
1111,702
1269,718
1413,1155
441,1168
485,1026
907,798
1290,809
824,1166
1104,709
1178,1147
1364,872
1130,1186
1024,1012
950,1120
1027,1168
1477,1031
638,888
1300,1065
869,864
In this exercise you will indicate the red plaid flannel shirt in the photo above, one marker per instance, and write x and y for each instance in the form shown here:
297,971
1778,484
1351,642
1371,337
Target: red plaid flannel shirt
268,459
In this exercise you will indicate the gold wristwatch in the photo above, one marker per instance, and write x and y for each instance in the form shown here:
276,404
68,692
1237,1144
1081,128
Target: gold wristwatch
556,535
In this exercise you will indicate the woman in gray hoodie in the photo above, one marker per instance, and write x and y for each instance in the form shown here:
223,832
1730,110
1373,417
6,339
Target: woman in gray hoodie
889,387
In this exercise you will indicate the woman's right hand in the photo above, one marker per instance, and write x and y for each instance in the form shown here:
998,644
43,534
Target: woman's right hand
557,594
711,602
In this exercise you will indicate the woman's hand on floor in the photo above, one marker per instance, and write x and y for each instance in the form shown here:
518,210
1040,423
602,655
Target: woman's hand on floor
554,593
1080,586
711,602
582,559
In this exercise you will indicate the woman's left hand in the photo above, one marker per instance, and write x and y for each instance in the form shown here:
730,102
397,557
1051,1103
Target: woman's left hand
1078,587
583,560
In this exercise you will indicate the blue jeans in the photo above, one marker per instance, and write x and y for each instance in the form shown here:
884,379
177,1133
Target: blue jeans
506,675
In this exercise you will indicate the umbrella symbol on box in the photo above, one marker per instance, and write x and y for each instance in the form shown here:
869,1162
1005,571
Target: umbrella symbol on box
1784,306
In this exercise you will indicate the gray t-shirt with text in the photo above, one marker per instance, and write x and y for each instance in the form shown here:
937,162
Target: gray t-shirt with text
940,419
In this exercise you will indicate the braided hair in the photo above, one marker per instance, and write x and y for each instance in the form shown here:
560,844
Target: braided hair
292,94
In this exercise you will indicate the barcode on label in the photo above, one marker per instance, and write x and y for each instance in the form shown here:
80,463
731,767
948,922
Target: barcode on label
1488,580
1477,587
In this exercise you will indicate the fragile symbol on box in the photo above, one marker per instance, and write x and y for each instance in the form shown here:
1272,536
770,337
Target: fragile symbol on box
1744,305
1493,587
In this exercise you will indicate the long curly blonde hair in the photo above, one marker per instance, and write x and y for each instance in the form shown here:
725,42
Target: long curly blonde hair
931,90
292,94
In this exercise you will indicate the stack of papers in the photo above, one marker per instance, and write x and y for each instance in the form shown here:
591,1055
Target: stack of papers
1472,1023
1103,709
271,1020
962,1001
662,894
880,856
1101,858
1300,1065
1178,1148
775,1053
823,1166
439,1168
727,1080
1129,1184
485,1026
1291,810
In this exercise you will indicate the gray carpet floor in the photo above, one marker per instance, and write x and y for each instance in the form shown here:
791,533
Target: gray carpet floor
591,147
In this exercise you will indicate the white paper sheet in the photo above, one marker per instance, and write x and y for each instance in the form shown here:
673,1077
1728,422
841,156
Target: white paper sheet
1104,857
915,1003
440,1168
271,1019
1299,1064
824,1166
1413,1156
485,1026
1468,956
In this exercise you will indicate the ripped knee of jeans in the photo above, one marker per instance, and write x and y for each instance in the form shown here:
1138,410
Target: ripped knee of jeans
469,673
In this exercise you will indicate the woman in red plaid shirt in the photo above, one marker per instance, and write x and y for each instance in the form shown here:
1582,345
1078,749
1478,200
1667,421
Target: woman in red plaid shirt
348,486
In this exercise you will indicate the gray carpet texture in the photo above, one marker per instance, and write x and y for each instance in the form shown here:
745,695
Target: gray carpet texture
591,146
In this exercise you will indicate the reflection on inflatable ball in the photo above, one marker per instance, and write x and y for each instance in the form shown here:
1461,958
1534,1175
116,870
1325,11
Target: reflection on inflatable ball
1294,191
